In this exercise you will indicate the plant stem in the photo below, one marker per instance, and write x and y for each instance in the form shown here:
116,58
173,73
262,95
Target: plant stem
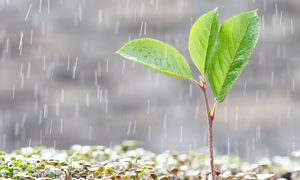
211,148
210,119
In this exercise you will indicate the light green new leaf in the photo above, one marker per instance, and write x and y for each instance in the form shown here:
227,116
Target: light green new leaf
202,39
157,55
236,41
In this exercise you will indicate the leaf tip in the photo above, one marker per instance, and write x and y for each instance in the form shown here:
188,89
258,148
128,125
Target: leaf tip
254,12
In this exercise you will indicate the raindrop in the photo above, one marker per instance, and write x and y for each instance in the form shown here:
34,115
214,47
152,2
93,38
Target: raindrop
292,26
257,133
149,74
48,6
22,81
21,43
61,126
100,95
107,62
74,72
100,17
40,117
123,67
87,100
281,17
245,88
80,13
13,91
23,120
31,37
134,127
54,144
129,128
21,70
41,136
44,63
51,127
149,133
40,7
96,78
228,146
148,106
236,116
145,28
157,80
57,109
28,11
29,142
293,85
45,112
75,67
141,29
272,79
7,45
253,144
28,70
276,9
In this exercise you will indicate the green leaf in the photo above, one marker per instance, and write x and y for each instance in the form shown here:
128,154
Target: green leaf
236,41
157,55
202,39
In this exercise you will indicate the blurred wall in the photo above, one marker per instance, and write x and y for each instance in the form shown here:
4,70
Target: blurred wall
61,82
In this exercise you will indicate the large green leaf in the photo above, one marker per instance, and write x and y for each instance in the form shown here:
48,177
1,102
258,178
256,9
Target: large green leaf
236,41
202,39
157,55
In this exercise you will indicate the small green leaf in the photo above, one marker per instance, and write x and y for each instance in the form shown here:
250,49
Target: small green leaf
236,41
202,39
99,172
157,55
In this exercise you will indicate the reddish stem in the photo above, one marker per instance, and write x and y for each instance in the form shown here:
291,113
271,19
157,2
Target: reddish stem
210,119
211,148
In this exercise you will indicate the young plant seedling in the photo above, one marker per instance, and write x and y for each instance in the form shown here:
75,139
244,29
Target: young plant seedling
219,53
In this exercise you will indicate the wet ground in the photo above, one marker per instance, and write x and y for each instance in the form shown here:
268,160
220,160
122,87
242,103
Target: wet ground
62,83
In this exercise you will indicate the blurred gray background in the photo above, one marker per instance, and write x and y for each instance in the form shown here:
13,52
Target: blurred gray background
61,82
